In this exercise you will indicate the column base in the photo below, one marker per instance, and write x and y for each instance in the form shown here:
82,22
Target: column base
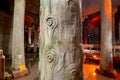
19,73
106,73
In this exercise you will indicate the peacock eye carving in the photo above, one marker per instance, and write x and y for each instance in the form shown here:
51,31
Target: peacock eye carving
51,22
70,71
50,56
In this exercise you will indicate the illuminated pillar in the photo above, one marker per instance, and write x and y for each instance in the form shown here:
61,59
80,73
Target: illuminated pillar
18,54
29,35
106,61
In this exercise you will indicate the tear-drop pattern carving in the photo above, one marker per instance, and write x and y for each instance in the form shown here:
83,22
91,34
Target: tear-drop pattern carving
60,63
70,71
51,22
51,59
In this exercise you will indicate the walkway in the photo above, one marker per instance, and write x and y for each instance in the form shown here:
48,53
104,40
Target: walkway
33,73
89,73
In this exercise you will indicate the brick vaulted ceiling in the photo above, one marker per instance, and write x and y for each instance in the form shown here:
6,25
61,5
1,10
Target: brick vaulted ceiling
32,6
92,6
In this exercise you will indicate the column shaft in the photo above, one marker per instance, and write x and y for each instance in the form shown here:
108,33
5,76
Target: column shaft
60,39
114,10
106,61
18,57
18,54
106,35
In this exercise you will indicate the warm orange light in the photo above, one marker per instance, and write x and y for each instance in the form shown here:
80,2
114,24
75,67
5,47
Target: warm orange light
22,67
38,30
95,21
29,20
94,74
95,56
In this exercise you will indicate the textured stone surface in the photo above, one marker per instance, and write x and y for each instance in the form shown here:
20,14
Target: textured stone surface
59,40
18,58
106,62
18,74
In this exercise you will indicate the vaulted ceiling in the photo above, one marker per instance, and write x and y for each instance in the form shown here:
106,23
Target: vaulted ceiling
92,6
32,6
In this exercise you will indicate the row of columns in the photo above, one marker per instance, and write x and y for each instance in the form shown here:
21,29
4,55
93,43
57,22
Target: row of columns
59,48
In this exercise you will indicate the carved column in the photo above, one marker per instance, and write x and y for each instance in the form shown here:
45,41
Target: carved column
60,40
106,62
18,55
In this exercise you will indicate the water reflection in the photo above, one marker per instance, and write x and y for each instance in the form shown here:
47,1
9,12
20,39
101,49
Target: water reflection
89,73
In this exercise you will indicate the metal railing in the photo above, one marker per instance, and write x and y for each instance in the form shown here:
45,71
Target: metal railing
116,48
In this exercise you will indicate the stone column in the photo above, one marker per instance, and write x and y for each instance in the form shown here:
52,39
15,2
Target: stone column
60,39
119,29
18,54
29,38
29,35
114,10
81,42
36,35
1,28
106,61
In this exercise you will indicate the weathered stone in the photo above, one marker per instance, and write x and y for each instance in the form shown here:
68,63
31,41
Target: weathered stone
106,62
59,40
18,73
106,34
18,58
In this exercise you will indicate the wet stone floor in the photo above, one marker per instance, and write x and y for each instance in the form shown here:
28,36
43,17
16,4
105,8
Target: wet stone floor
88,68
31,60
